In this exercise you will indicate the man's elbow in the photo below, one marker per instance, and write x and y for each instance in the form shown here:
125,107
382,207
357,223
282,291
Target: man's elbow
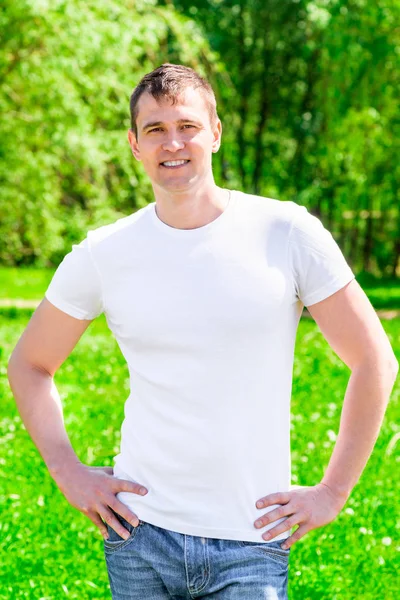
16,366
394,365
384,364
11,366
13,372
392,370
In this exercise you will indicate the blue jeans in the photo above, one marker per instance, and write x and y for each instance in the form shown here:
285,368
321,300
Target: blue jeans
159,564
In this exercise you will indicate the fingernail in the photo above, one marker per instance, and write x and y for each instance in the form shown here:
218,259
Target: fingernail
283,546
259,504
143,491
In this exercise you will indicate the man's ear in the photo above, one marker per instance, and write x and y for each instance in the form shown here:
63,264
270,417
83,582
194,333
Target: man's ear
133,144
217,136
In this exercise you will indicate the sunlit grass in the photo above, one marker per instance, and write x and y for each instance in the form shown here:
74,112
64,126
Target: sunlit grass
50,550
28,283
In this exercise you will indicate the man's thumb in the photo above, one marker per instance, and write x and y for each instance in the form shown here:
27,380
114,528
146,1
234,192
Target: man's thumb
108,470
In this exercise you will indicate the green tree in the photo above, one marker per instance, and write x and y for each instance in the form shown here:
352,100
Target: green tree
311,114
306,90
67,69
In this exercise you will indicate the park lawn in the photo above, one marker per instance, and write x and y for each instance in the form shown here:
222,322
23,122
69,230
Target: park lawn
27,283
30,283
383,293
51,551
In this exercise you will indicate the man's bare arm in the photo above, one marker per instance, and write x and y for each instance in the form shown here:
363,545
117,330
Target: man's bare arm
47,341
353,330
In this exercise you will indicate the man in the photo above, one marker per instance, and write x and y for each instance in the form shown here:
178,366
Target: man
203,290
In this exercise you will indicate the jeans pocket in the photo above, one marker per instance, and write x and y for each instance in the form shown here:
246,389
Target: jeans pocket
115,541
270,549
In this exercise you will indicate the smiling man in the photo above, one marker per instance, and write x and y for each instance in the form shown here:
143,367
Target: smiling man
203,290
175,142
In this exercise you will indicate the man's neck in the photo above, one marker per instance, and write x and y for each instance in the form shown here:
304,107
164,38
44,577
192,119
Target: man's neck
191,212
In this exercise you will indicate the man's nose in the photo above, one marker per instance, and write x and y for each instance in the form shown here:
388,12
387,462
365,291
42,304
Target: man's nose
173,142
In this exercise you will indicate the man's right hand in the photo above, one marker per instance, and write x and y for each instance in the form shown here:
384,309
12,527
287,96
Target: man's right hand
47,341
92,490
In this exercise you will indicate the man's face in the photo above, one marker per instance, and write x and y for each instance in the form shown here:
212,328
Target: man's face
169,132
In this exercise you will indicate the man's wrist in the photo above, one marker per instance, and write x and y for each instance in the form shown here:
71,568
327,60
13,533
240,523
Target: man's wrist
58,469
340,493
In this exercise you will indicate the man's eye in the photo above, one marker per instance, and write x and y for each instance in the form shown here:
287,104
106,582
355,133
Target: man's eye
160,128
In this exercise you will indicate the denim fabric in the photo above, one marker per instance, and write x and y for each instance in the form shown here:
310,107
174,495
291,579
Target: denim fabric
157,564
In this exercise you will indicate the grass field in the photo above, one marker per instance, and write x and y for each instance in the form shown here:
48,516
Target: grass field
28,283
50,551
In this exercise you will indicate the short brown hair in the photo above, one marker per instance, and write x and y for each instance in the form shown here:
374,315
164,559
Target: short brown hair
167,82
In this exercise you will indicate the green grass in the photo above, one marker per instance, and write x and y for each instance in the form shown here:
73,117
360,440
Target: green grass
28,283
383,293
52,551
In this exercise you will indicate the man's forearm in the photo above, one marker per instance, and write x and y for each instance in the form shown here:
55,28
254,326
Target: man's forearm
40,408
365,402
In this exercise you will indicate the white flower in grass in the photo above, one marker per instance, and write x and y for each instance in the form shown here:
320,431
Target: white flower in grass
386,541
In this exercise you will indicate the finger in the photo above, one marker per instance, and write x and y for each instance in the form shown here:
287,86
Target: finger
283,511
113,522
286,525
276,498
124,512
299,533
99,523
108,470
123,485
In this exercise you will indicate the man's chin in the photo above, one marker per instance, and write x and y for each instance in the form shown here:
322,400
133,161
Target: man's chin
176,187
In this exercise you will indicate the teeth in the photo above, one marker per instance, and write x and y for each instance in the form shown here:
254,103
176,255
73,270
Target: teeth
173,163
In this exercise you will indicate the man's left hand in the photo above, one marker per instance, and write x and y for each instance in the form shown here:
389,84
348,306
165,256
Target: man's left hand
309,507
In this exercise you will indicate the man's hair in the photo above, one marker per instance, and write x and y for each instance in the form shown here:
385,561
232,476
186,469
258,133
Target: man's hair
167,82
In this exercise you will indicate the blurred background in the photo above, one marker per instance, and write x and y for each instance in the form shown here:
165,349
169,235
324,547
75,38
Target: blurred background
308,96
307,93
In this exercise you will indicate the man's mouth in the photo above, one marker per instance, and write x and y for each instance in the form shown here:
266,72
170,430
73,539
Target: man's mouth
174,164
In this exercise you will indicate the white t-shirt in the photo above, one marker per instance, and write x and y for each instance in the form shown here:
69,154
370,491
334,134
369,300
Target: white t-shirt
206,319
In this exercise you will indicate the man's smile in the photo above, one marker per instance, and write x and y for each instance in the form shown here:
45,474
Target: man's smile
174,164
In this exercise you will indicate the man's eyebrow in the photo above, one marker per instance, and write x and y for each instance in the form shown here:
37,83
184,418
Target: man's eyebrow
158,123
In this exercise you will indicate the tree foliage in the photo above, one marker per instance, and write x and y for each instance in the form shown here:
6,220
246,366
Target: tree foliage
312,113
307,92
67,69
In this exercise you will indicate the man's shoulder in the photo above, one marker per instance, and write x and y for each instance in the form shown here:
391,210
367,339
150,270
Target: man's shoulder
124,225
282,210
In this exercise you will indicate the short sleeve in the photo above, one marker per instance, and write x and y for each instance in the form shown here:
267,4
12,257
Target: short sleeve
76,286
318,266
